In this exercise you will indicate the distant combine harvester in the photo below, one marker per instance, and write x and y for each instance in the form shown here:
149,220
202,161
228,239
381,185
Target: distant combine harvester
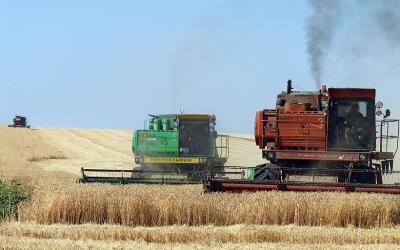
19,122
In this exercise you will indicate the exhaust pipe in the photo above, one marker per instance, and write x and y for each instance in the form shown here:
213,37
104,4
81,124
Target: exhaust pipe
289,87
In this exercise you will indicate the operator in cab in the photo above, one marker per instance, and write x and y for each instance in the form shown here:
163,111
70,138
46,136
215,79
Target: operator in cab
355,127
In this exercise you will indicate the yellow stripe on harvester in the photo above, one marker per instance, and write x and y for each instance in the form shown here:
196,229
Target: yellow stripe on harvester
171,160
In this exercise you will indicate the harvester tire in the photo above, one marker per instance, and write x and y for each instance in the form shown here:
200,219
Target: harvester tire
266,172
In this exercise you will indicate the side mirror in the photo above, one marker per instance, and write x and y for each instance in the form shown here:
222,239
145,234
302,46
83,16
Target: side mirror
387,113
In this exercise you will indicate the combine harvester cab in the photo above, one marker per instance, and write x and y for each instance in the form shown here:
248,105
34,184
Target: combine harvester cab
174,149
323,140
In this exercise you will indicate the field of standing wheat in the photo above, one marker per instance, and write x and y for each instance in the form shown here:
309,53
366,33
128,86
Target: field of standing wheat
63,214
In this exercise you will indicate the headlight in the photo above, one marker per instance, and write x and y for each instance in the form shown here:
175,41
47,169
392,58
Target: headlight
203,160
270,155
363,157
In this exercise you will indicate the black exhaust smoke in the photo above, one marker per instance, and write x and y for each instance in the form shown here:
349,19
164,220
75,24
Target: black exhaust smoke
321,28
369,22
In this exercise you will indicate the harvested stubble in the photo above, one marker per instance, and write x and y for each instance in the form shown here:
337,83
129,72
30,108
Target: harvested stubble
59,244
21,153
208,235
140,205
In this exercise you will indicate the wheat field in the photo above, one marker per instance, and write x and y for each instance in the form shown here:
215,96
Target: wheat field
145,205
66,215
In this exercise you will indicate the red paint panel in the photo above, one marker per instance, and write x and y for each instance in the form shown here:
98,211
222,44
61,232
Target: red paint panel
302,129
315,155
258,129
310,142
331,187
351,92
302,126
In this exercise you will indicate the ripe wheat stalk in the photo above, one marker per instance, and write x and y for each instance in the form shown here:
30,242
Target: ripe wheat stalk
140,205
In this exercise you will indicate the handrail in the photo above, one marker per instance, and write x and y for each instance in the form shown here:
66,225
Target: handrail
224,144
385,136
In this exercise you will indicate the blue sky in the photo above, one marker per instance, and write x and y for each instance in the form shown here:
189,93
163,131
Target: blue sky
107,64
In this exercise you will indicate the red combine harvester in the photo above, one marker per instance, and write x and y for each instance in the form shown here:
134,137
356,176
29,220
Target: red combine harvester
323,140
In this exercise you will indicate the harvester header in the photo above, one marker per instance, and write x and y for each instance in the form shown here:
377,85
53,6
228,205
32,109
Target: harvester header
174,148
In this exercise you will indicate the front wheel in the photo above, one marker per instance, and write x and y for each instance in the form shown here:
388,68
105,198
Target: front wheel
267,171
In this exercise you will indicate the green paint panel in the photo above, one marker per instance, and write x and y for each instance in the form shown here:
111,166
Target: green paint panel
155,143
177,135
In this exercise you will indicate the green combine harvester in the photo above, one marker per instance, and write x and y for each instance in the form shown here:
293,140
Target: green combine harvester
173,149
